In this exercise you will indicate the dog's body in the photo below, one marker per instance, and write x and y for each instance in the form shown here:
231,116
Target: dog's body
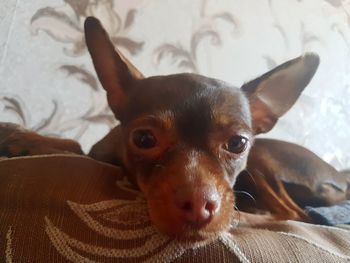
183,140
285,177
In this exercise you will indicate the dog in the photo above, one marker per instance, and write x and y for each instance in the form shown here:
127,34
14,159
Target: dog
184,139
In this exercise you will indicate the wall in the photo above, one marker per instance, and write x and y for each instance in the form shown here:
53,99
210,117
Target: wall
47,82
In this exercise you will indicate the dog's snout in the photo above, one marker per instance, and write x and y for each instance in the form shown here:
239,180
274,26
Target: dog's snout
197,205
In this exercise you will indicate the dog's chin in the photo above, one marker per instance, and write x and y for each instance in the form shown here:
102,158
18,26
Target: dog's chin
194,235
189,233
172,225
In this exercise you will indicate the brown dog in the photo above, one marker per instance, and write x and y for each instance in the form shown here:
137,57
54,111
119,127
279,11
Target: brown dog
183,139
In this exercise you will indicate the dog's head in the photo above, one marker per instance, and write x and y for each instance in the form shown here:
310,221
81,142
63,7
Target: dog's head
186,137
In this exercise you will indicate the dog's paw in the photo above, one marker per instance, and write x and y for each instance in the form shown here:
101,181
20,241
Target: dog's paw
16,141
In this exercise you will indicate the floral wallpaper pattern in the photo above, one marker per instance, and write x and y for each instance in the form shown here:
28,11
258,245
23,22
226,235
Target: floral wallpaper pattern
47,82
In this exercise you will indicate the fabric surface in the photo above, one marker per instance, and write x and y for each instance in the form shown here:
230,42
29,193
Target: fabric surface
333,215
64,208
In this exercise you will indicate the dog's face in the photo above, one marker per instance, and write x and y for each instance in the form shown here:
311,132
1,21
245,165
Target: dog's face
187,137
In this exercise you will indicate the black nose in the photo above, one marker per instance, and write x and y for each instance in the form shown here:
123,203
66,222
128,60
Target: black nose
198,205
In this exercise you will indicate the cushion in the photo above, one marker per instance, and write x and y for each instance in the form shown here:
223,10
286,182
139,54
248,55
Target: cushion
68,208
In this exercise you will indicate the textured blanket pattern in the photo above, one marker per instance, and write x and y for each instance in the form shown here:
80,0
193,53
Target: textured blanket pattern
73,209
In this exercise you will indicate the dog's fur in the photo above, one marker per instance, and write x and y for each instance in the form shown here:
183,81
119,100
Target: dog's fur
183,140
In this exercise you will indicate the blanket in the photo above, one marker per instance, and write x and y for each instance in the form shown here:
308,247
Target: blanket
68,208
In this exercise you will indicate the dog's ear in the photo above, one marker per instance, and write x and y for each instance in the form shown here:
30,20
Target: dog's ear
114,71
275,92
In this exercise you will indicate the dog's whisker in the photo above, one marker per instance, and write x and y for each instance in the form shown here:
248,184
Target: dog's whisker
246,193
251,176
260,173
239,215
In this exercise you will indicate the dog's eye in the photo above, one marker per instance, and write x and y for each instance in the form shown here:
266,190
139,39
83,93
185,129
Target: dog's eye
144,139
236,144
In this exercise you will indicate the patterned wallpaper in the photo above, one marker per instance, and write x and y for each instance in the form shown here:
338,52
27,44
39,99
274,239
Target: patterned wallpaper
47,82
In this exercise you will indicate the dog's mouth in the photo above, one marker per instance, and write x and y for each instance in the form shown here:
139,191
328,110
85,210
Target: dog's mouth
188,205
174,222
189,233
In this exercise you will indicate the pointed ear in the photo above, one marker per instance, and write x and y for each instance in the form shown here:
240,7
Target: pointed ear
275,92
114,71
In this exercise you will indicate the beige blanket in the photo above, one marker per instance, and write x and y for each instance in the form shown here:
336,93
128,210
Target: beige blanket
74,209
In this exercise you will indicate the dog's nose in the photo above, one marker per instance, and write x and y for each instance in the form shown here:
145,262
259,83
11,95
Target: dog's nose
197,205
